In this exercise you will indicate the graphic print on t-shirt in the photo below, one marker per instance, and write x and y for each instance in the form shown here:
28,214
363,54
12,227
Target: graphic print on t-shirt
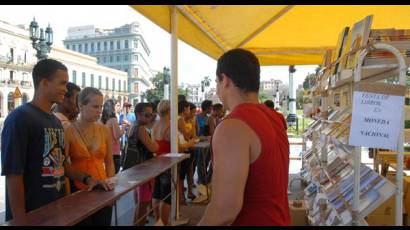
53,157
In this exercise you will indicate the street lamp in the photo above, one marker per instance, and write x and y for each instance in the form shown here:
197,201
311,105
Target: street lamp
41,41
166,82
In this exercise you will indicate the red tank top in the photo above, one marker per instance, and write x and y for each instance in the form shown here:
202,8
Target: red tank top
265,199
164,146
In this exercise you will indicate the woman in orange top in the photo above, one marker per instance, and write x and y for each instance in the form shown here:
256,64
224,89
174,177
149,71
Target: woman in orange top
88,145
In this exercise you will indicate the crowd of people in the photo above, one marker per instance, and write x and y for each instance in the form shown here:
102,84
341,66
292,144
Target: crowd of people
68,139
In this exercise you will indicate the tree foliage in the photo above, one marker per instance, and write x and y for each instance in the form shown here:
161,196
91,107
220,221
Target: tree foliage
157,93
307,83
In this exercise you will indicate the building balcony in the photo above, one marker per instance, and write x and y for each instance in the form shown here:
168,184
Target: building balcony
12,83
26,84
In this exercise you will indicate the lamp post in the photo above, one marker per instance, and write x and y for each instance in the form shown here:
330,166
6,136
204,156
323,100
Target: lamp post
42,40
277,94
292,91
166,82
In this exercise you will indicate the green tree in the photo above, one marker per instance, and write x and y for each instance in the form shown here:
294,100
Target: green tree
262,96
299,99
307,83
186,91
157,93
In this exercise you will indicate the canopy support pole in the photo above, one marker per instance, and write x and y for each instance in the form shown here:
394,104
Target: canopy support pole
174,109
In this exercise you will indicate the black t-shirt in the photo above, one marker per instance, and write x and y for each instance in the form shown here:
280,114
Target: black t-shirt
32,145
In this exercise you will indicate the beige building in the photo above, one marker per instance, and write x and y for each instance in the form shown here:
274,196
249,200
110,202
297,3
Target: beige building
85,72
17,58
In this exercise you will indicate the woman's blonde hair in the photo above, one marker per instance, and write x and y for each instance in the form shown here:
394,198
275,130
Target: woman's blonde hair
86,93
163,108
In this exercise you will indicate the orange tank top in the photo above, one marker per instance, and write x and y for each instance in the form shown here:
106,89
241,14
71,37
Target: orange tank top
83,160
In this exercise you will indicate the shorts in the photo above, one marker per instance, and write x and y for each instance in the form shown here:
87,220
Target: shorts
162,187
143,193
185,165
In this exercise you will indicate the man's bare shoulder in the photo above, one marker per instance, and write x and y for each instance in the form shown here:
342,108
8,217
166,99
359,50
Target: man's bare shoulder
232,131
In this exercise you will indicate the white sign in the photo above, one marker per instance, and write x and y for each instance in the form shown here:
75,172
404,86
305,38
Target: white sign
376,120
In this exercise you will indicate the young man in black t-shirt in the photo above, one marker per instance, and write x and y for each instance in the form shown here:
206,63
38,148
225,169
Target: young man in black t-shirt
32,151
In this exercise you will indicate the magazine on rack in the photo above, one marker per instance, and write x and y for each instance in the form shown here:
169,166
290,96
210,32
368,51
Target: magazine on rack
348,196
341,42
359,38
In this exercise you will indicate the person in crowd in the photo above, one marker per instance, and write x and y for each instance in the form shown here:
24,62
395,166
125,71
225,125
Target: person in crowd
117,108
216,117
67,112
162,188
202,118
140,139
181,97
202,128
270,104
32,146
128,118
249,185
185,135
88,144
190,122
109,119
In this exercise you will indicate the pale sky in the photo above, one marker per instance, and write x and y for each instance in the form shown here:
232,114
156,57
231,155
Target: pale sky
192,66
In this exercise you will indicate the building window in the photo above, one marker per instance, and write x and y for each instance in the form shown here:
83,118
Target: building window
135,57
83,82
80,48
111,45
118,58
98,59
99,82
104,59
106,83
119,85
105,46
67,47
74,77
135,43
126,44
92,80
73,47
113,84
86,48
125,86
135,87
126,57
12,54
25,56
11,75
92,47
111,59
10,102
118,45
98,46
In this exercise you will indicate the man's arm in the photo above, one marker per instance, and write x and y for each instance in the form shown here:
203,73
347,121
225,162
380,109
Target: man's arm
231,166
15,189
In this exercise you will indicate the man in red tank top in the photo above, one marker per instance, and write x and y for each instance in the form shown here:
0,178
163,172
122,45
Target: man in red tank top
250,151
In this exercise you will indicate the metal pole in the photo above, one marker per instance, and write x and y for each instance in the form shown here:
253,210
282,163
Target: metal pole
174,108
402,80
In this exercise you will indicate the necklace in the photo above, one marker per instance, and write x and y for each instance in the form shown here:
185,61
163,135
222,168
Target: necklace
88,139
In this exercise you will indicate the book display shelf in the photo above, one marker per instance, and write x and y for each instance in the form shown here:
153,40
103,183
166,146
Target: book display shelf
340,189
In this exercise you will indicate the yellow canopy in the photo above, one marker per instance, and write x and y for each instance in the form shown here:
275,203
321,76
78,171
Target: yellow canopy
278,35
